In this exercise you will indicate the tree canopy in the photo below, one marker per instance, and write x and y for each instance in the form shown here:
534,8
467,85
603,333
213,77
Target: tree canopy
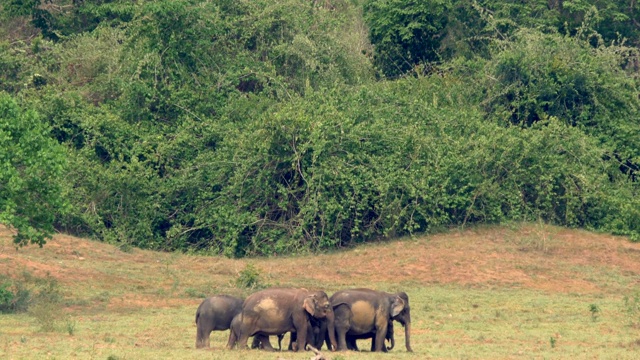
261,127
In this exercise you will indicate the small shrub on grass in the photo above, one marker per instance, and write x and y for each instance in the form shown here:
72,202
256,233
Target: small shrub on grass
249,278
595,311
14,297
45,314
46,306
6,298
22,297
71,326
540,239
103,297
109,339
126,248
194,293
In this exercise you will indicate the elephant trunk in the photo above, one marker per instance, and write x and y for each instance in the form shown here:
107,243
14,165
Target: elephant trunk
331,329
392,343
407,336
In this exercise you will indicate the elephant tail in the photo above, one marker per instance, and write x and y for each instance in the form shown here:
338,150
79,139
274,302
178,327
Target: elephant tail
197,315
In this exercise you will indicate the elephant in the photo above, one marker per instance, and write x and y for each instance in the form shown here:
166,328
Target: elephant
360,312
316,334
275,311
217,313
351,340
260,341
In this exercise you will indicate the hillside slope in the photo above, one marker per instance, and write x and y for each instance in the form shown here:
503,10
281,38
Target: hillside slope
496,272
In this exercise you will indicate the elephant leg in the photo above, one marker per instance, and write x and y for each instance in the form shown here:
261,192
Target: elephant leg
373,345
319,334
342,324
233,338
380,335
280,337
390,337
244,336
265,343
202,336
255,343
342,339
293,337
352,344
301,341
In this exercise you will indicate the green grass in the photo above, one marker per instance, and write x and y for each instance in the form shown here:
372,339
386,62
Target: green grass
141,305
448,322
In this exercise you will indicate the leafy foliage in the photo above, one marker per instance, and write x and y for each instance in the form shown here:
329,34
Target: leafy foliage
405,33
31,168
249,278
57,19
538,76
257,127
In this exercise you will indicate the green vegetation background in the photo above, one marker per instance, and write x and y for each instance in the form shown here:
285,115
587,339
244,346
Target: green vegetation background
253,127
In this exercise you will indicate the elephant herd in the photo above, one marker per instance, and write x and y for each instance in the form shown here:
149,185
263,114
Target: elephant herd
311,317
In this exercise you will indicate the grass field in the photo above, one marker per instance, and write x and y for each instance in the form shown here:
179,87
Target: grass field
514,292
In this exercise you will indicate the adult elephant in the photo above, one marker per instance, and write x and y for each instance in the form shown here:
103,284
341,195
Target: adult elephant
364,311
217,313
276,311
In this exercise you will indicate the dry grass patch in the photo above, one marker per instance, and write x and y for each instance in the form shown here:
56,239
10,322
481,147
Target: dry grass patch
490,292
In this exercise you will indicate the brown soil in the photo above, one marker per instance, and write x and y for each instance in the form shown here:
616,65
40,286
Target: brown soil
528,256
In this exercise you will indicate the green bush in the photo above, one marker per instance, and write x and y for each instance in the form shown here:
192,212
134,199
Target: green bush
346,166
46,304
6,298
538,76
405,33
249,277
32,166
15,297
28,293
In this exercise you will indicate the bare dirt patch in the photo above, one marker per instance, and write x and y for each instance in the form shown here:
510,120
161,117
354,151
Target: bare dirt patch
525,256
546,258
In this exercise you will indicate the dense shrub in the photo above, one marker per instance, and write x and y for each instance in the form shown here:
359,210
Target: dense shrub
20,294
256,127
346,166
538,76
405,33
32,166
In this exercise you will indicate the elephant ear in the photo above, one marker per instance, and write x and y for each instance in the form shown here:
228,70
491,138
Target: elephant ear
310,304
397,306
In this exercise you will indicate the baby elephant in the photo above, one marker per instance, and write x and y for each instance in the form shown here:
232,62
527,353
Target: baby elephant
215,314
260,341
351,340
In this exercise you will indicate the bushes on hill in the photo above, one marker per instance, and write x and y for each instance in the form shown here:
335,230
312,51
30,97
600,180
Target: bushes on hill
254,127
345,166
